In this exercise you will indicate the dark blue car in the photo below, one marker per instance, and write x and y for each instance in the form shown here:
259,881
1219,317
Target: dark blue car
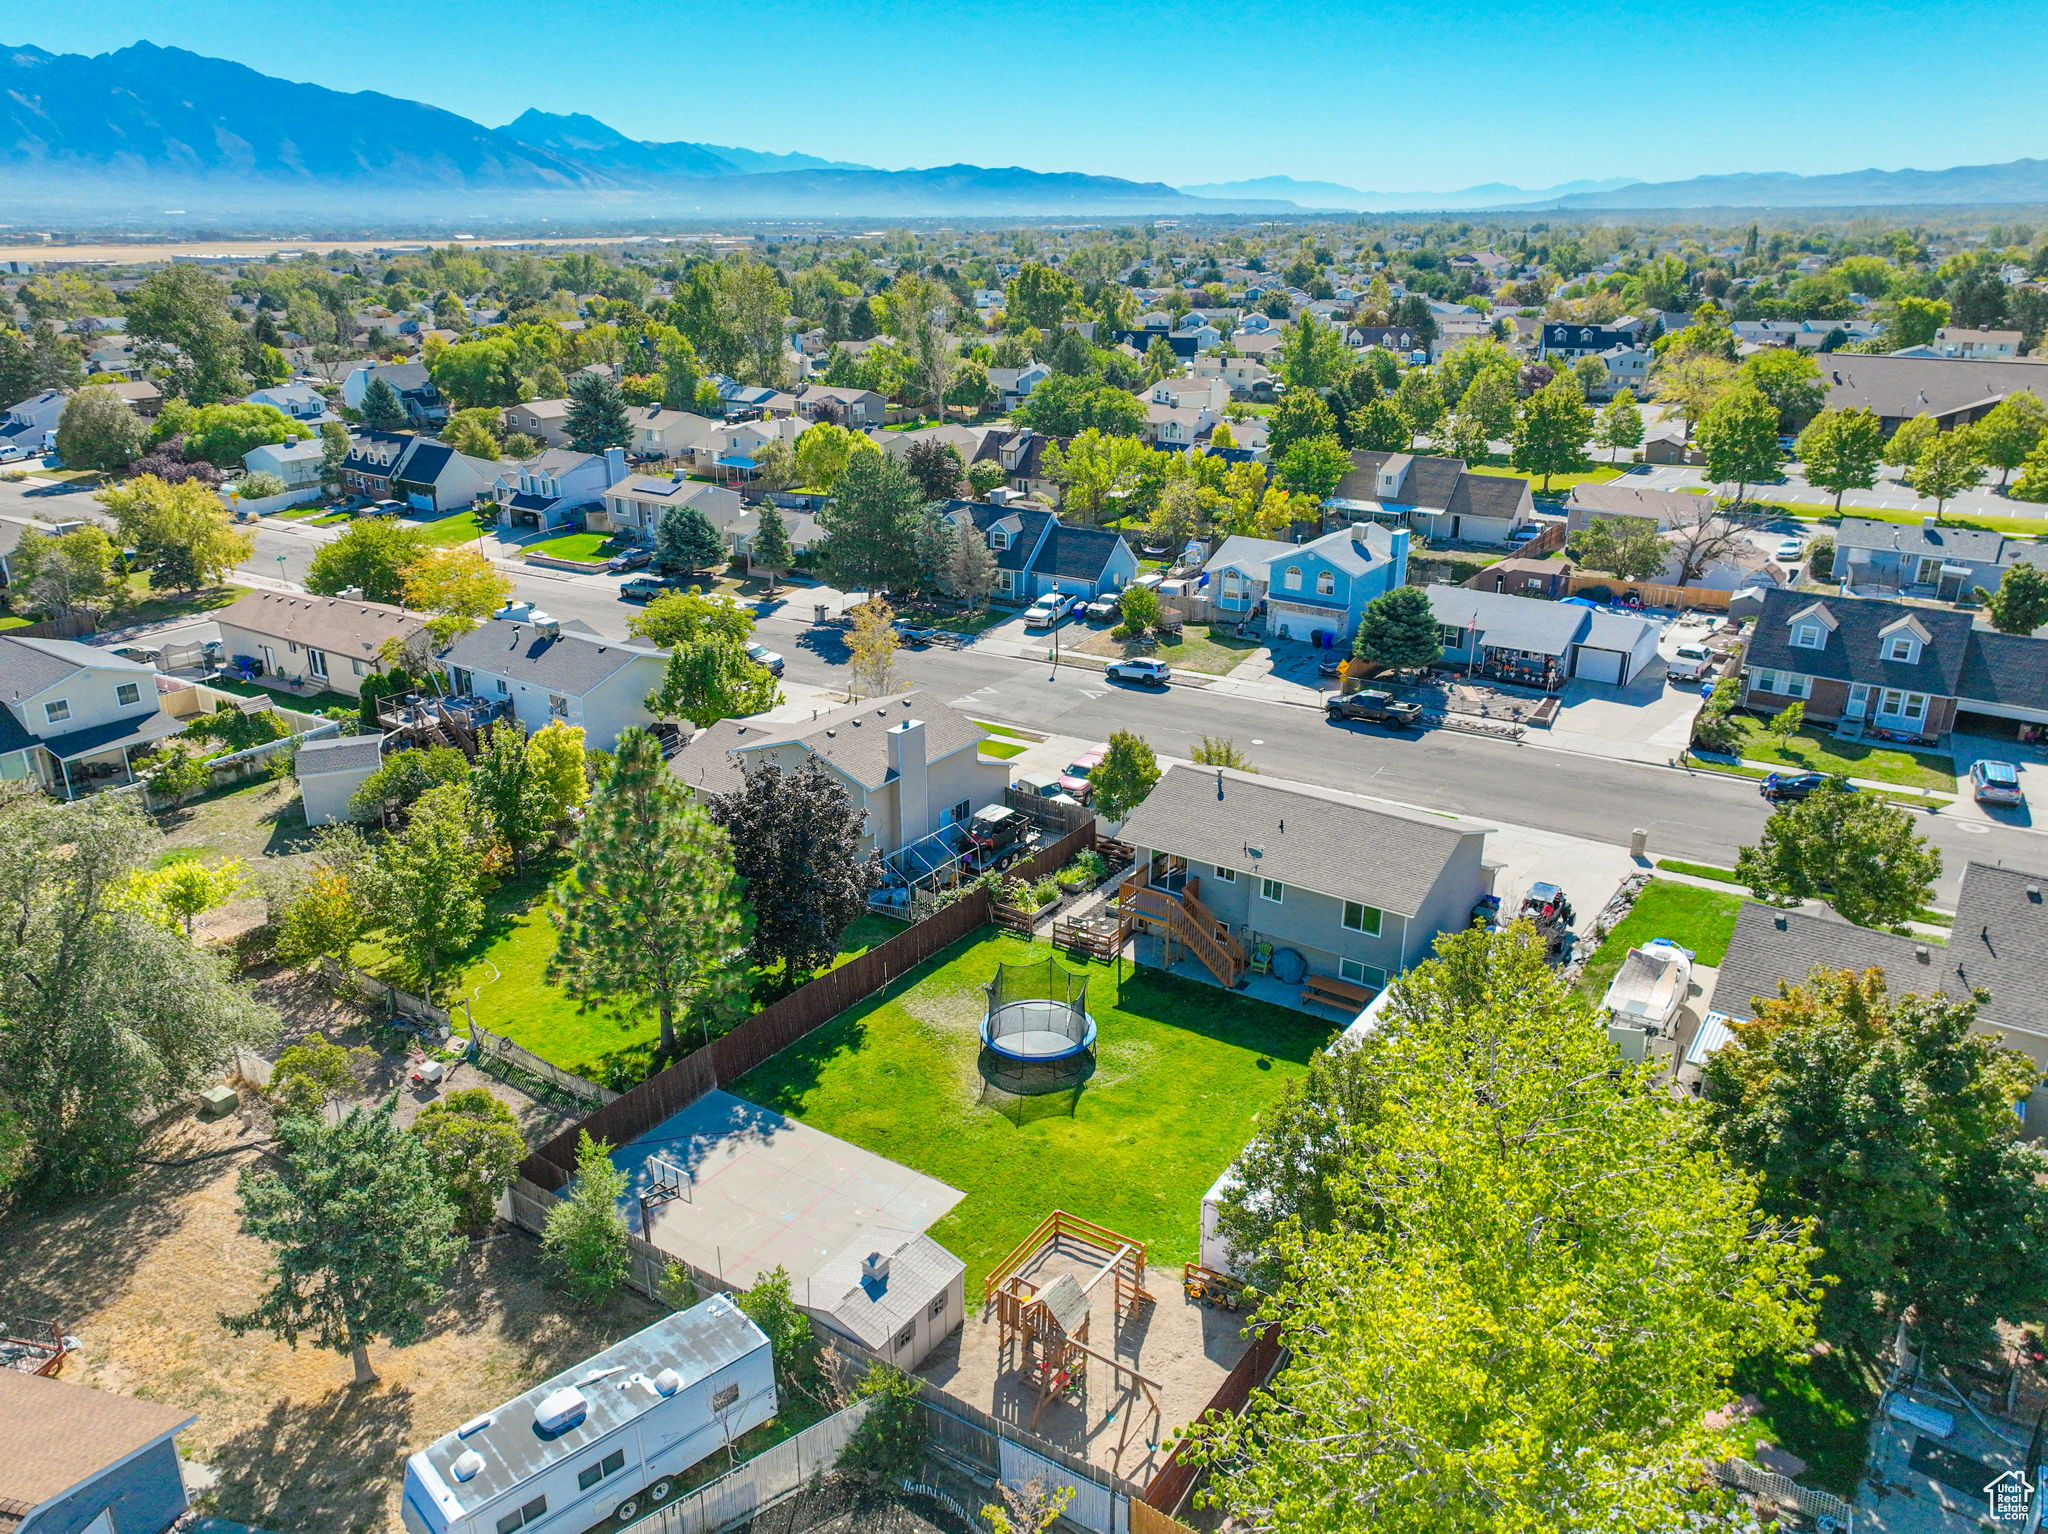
1780,786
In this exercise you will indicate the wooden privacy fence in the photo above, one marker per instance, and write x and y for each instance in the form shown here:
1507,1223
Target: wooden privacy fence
1652,593
1170,1487
780,1024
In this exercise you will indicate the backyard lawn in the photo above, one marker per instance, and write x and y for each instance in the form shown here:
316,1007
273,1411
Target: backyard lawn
1815,750
1816,1408
146,605
1181,1072
1695,918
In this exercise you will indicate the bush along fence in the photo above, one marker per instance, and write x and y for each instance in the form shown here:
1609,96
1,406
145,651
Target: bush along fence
780,1024
1261,1361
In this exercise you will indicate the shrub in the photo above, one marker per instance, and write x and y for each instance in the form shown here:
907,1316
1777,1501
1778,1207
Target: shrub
584,1240
260,486
1045,892
890,1440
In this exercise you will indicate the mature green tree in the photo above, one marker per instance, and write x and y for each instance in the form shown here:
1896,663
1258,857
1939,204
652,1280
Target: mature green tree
1101,475
334,449
372,553
183,332
1620,425
475,1145
1691,383
1039,297
99,431
2019,605
1298,418
677,617
2032,485
1313,468
180,530
1909,440
18,373
890,1441
1065,407
1627,548
1790,379
917,314
651,914
685,540
770,549
110,1018
597,416
1484,1238
515,802
796,844
870,524
221,434
936,467
1377,427
314,1072
477,374
1856,851
584,1237
1889,1120
1912,321
404,777
1552,428
65,572
1490,400
712,678
1841,450
428,898
361,1231
1419,400
1462,437
57,359
2008,432
382,409
1313,356
822,452
1399,631
1126,775
1739,437
1949,464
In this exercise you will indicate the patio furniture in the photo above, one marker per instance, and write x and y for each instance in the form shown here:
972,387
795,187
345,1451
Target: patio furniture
1329,991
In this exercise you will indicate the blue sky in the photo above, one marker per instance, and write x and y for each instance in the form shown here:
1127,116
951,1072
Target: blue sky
1393,96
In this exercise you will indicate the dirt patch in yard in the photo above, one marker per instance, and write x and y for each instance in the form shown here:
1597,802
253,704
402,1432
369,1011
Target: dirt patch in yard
142,1277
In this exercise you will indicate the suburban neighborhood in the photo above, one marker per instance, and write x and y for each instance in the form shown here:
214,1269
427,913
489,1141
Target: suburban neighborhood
1259,868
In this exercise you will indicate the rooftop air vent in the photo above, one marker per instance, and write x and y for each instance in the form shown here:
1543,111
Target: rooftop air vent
475,1425
560,1409
466,1465
667,1382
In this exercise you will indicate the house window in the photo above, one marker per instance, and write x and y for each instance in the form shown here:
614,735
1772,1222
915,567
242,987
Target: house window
1359,917
1901,648
533,1512
903,1338
360,666
503,690
611,1464
57,712
1326,584
998,540
1225,875
1450,637
1004,579
1808,636
127,693
1362,974
725,1396
316,663
558,705
1292,580
1909,706
1273,890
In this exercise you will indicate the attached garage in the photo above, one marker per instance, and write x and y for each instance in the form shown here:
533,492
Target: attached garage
1593,665
1613,648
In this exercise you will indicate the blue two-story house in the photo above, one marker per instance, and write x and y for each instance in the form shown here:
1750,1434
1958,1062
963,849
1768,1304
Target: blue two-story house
1314,592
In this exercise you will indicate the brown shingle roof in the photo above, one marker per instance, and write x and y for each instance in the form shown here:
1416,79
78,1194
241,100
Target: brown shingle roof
335,624
54,1435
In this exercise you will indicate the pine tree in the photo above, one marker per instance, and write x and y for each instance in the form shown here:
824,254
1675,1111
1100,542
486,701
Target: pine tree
382,409
650,914
362,1231
769,550
685,540
870,524
933,547
796,842
597,416
1399,631
584,1238
971,568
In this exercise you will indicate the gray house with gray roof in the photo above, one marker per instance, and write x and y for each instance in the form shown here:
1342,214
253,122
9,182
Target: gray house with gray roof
1536,643
557,672
1439,497
1932,560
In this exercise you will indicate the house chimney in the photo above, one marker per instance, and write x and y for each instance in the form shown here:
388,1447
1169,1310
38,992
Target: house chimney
913,789
614,465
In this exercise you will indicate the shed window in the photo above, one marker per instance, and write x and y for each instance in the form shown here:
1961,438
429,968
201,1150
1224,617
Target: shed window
1359,917
903,1338
938,1308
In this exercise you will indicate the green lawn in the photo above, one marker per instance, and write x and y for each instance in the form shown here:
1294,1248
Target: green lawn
1598,474
310,703
588,546
505,978
1720,875
298,513
332,519
1009,732
447,532
1816,750
149,606
1816,1408
14,621
1990,522
1003,750
1691,917
1199,648
1182,1070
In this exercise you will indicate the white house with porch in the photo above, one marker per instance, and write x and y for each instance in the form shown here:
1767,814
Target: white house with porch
75,717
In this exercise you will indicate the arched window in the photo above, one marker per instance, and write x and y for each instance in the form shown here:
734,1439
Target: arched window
1326,584
1293,579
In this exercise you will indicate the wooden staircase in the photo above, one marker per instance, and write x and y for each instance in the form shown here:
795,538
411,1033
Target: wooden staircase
1183,919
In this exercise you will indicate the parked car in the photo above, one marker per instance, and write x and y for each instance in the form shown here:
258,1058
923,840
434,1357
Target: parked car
13,452
645,588
1102,610
767,659
1691,662
1147,673
1996,783
632,559
1375,707
1044,613
1044,785
1791,551
383,509
1074,776
1779,787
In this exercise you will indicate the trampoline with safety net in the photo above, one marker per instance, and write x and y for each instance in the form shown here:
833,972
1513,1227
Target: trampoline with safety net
1038,1013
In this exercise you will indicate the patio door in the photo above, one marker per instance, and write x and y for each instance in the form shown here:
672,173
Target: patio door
1168,872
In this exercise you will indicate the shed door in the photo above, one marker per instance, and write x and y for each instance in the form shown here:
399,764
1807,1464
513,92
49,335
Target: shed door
1598,665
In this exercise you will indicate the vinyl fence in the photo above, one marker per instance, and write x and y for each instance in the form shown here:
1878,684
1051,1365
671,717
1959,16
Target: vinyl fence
777,1026
493,1046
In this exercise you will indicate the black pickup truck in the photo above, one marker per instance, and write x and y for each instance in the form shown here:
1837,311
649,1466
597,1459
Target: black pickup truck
1375,708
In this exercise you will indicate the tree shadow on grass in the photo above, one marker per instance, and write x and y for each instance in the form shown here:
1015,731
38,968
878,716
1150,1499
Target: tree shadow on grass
1224,1016
325,1464
1818,1408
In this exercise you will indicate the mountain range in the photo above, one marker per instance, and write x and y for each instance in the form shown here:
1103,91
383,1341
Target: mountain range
128,131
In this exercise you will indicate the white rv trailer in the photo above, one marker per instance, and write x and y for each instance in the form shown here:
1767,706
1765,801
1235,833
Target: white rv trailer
606,1440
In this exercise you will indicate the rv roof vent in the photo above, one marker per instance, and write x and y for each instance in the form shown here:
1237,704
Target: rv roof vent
667,1382
560,1409
475,1425
466,1465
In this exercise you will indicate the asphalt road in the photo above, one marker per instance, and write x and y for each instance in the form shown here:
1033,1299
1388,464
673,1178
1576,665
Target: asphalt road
1701,817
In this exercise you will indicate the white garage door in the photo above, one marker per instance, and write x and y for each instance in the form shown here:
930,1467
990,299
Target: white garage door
1598,665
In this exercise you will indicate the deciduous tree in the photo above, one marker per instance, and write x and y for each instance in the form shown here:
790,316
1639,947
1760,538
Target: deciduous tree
1377,427
373,555
1313,468
222,434
2019,605
1739,437
183,333
871,646
1620,426
584,1237
475,1145
1856,851
1841,450
65,572
1552,428
650,915
1127,772
1949,464
99,431
1790,379
428,898
515,803
2007,433
1627,548
712,678
361,1236
936,467
180,530
457,583
314,1072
